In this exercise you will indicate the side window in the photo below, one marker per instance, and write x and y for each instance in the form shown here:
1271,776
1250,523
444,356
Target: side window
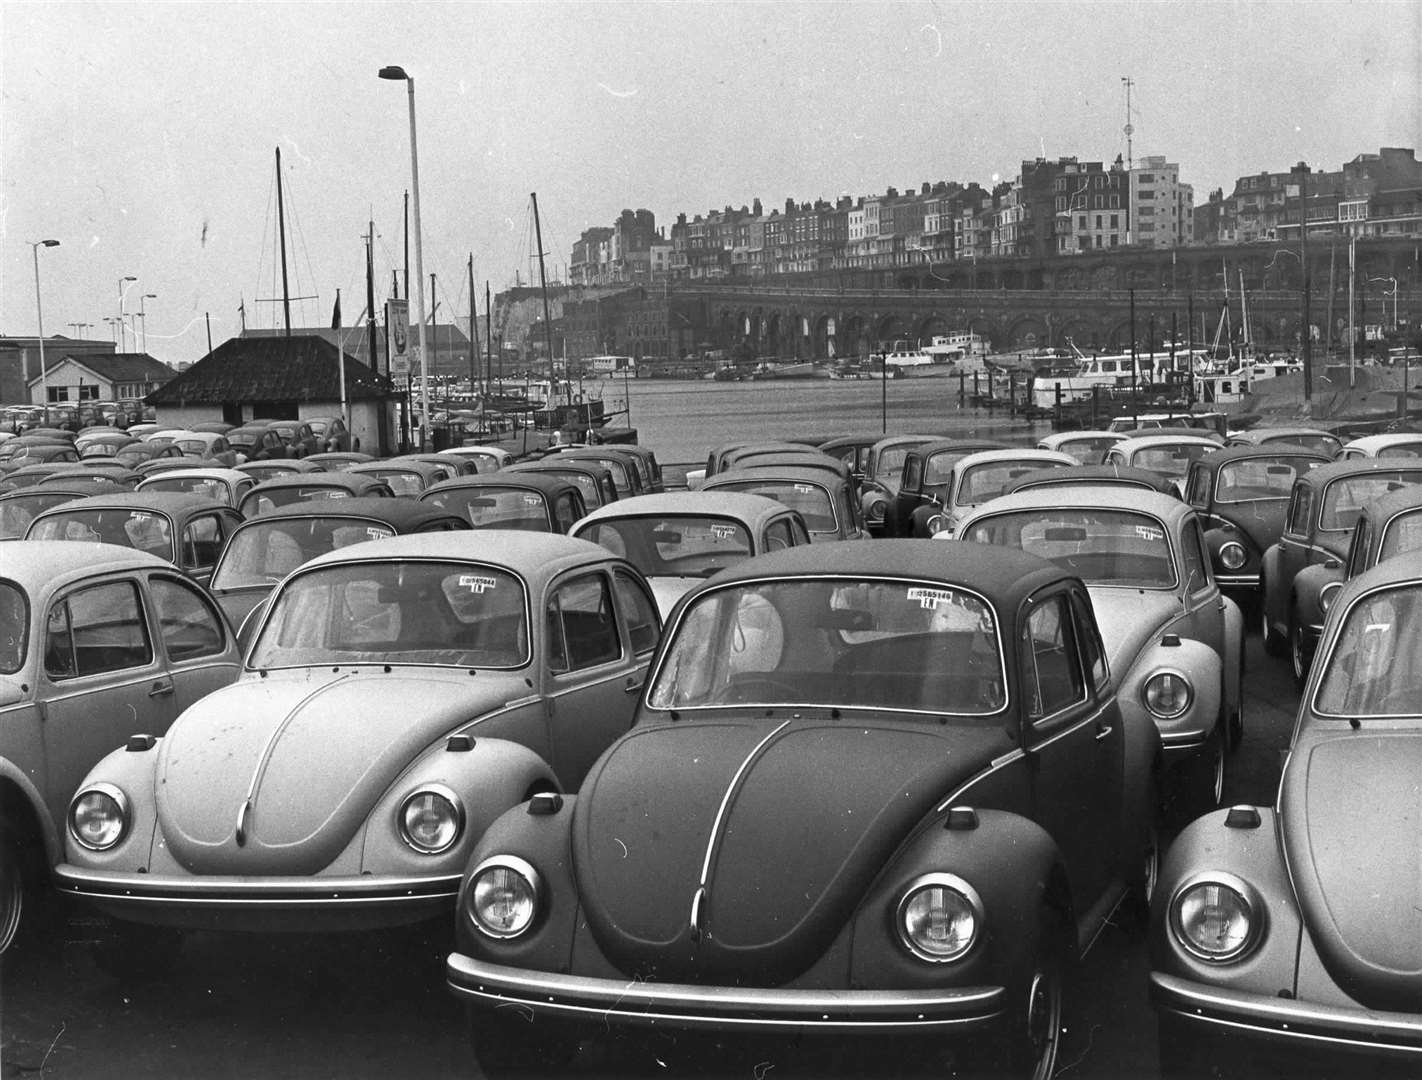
202,543
1358,549
582,631
186,623
1093,653
1300,507
1192,554
1197,490
639,611
778,535
95,630
566,511
913,473
1114,457
1055,679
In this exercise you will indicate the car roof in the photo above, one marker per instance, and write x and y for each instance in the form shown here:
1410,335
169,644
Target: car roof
530,554
38,563
1391,438
960,445
1058,437
1227,454
1113,474
1003,575
736,504
547,485
339,479
1357,466
174,503
793,473
1143,442
1023,454
413,465
405,515
1099,497
1274,434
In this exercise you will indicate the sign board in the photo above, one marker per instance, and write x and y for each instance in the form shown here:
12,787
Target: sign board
397,336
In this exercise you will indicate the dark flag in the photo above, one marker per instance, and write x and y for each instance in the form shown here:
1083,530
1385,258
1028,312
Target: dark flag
336,313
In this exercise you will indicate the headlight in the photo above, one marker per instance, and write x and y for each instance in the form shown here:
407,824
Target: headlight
1233,555
431,819
936,523
503,896
876,509
1328,594
939,918
1215,919
98,817
1168,694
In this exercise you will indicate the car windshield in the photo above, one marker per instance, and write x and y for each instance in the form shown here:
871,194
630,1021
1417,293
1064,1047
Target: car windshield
1403,533
1087,451
1344,499
1324,444
20,509
987,481
682,546
939,468
1405,450
466,615
126,527
1254,479
1375,669
264,552
402,481
254,502
891,463
14,627
206,486
1101,546
592,494
1171,461
836,643
812,500
495,508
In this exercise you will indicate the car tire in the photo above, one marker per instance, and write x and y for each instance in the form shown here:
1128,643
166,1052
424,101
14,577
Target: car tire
1031,1042
1300,656
1275,644
510,1043
12,888
136,952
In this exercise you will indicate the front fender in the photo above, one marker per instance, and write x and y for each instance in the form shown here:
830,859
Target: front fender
1217,537
132,771
1308,584
1204,670
1209,847
1274,590
50,831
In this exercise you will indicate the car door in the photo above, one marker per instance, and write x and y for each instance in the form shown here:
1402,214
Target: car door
595,672
105,679
1074,740
201,544
1295,549
1204,609
198,647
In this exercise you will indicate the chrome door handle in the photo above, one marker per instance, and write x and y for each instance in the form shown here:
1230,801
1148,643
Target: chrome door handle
161,689
1103,732
633,686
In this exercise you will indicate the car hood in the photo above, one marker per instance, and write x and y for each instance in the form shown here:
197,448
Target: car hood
1261,521
307,757
1352,833
788,819
1128,619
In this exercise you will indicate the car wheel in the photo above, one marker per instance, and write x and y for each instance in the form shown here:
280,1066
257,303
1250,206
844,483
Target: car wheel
137,952
1030,1042
1299,654
1274,642
508,1042
12,888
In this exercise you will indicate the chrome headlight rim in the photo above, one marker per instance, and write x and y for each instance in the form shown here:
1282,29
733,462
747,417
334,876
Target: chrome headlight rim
937,523
876,510
1250,902
1188,697
954,884
512,864
1233,556
439,791
1328,594
115,795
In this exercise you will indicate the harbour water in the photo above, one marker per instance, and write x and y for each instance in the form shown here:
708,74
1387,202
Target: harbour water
682,420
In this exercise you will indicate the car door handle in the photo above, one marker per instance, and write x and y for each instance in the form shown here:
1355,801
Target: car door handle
161,689
633,685
1104,730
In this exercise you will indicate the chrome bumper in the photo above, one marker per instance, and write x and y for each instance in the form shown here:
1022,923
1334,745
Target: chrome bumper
720,1008
1238,581
1299,1023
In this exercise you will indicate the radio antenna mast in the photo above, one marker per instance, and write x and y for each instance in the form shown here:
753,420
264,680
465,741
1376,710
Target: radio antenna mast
1128,129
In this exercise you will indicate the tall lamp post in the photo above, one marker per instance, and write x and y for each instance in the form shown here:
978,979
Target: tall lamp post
395,72
35,245
1301,169
123,288
143,317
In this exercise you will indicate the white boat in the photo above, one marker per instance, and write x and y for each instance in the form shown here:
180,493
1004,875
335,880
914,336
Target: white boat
1113,372
963,351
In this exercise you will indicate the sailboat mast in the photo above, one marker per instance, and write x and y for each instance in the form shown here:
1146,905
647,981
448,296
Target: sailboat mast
281,233
473,331
543,285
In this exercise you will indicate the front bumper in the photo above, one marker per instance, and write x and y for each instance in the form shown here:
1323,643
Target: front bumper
253,903
1242,581
684,1006
1280,1020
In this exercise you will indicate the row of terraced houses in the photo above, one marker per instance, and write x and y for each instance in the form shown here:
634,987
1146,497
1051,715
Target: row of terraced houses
1062,207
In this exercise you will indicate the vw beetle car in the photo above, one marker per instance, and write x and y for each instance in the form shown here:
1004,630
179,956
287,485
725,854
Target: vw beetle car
594,481
1386,527
873,789
826,501
880,476
923,481
187,530
1174,645
1086,446
1321,442
1291,931
978,478
1395,444
399,695
678,538
405,475
533,502
1241,494
1098,475
1170,455
226,486
1323,508
310,487
95,641
271,468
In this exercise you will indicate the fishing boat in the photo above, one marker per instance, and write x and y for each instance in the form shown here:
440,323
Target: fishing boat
1108,374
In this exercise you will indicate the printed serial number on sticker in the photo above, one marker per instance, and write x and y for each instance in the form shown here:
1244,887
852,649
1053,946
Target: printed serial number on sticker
475,583
930,598
532,500
1149,532
379,534
804,489
723,532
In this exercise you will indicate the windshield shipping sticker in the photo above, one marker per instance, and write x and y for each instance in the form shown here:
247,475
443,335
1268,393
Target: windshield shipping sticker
476,583
804,489
379,534
1150,532
532,500
930,599
723,532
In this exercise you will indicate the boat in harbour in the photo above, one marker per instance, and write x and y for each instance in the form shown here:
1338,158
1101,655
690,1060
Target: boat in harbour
1108,374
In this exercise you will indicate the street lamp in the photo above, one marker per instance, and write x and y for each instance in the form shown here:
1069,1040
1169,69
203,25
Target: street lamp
113,328
35,245
123,288
1393,293
395,72
143,318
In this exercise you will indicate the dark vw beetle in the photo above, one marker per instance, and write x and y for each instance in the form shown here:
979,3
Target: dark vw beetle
532,502
1297,927
873,789
310,487
925,477
399,695
1386,527
1241,494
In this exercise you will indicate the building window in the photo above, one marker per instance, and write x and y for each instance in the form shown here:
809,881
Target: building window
1115,240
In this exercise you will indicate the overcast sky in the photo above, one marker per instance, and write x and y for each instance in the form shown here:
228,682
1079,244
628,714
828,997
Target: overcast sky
142,136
